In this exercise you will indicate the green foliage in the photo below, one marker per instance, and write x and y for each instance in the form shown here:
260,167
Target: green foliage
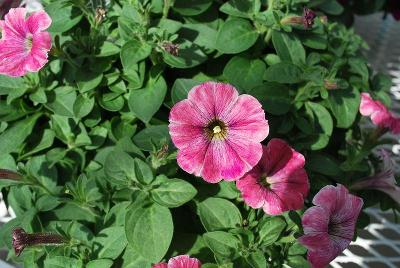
89,132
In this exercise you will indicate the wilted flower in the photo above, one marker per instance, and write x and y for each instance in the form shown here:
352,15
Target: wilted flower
218,132
24,44
9,174
279,182
182,261
383,181
307,19
329,225
171,48
379,114
21,239
100,15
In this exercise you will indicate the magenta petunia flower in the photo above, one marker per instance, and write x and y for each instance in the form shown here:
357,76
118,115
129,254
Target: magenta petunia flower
218,132
379,114
279,182
383,181
182,261
24,44
329,225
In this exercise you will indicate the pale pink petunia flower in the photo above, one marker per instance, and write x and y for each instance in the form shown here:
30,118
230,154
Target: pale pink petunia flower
182,261
217,132
279,182
379,114
329,225
383,181
24,44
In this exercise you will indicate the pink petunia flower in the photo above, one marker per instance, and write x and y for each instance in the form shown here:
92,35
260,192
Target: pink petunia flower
383,181
24,44
329,225
182,261
218,132
279,182
379,114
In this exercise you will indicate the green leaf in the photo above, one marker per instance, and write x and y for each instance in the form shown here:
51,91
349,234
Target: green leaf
245,73
270,229
200,34
144,103
236,35
143,172
45,142
152,135
132,259
133,52
149,230
284,73
222,243
62,262
63,16
344,104
119,167
172,192
12,139
83,106
257,259
323,164
87,81
61,101
274,97
110,242
219,214
181,88
108,49
331,7
191,7
100,263
288,47
189,55
10,83
359,66
238,8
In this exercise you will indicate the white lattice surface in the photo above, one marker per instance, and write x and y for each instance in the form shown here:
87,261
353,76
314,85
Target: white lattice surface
378,246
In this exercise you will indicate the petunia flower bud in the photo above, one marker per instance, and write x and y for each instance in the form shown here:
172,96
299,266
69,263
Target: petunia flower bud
21,239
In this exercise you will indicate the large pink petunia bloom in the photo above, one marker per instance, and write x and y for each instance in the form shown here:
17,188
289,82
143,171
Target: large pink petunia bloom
182,261
329,225
218,132
24,44
279,182
383,181
379,114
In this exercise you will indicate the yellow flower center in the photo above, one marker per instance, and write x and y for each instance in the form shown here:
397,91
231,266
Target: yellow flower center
28,43
216,130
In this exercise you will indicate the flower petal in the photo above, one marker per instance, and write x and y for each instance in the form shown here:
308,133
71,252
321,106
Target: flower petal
184,261
191,158
160,265
15,24
252,191
273,204
222,162
315,221
249,152
246,119
12,59
213,98
38,21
